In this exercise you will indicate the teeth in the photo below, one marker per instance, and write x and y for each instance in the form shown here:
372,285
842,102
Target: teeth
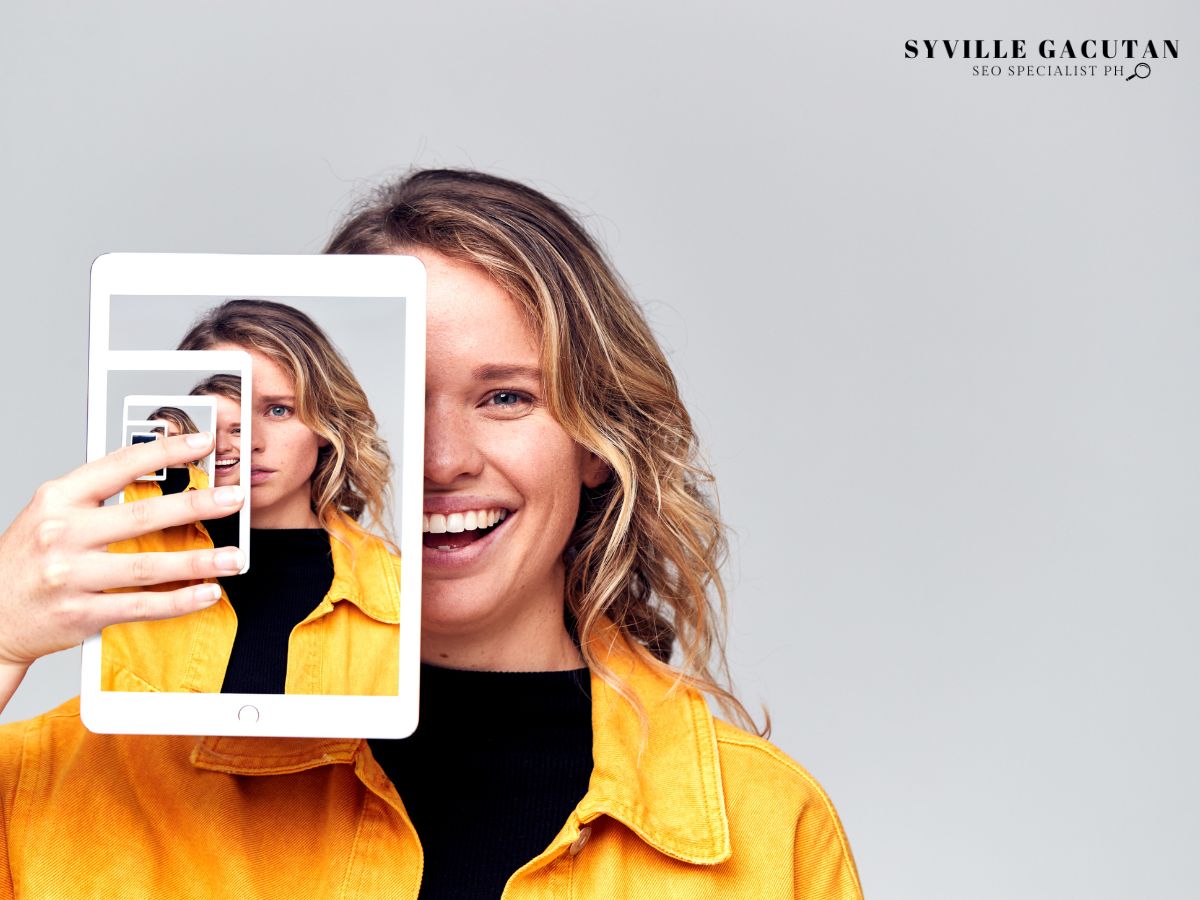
471,520
226,463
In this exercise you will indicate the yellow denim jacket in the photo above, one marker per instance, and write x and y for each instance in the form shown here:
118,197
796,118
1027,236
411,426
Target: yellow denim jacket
701,810
349,644
144,490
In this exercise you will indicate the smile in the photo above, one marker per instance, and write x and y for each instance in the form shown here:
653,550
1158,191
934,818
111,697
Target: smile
453,531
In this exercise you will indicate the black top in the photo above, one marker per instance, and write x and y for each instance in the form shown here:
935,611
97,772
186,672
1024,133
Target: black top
224,531
176,481
290,572
498,761
495,767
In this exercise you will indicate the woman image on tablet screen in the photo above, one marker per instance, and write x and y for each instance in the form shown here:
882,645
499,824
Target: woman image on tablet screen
318,611
226,391
571,629
186,477
178,421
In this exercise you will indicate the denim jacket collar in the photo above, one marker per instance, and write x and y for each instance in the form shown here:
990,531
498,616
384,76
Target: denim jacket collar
360,559
662,782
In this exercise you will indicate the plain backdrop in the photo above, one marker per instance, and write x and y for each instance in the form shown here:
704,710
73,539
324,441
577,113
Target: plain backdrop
939,334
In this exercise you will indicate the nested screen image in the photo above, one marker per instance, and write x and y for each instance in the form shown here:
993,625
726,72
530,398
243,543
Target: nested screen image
146,418
315,440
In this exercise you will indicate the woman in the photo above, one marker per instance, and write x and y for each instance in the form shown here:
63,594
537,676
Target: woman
178,421
187,477
318,610
552,413
226,390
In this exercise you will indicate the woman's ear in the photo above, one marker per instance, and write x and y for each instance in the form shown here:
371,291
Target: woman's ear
595,470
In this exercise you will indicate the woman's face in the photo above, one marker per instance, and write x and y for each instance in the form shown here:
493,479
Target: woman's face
492,595
229,441
283,451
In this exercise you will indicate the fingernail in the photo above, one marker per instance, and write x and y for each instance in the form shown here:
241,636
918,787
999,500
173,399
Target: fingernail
229,495
229,559
207,593
200,439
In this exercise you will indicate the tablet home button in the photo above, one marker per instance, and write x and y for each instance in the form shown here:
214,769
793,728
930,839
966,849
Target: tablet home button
248,714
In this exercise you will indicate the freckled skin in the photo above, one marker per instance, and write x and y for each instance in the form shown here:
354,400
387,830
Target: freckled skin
283,451
493,437
228,438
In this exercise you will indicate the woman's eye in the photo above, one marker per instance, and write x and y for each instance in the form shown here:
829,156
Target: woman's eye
509,401
278,411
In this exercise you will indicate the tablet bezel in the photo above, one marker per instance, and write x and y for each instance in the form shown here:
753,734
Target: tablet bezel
274,715
209,403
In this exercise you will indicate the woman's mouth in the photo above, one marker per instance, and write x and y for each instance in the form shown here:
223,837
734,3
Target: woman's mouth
226,468
258,476
453,531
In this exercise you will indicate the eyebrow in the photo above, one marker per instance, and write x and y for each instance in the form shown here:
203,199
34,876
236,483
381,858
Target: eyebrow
501,372
276,398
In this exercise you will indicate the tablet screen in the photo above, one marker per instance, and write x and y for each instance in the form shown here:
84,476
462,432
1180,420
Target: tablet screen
310,396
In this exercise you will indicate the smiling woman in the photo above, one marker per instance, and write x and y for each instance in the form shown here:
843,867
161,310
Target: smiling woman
318,475
227,390
571,626
494,599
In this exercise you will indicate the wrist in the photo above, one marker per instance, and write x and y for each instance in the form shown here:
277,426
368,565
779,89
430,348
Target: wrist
11,675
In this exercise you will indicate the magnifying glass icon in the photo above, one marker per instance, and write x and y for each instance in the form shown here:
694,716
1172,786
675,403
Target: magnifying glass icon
1138,73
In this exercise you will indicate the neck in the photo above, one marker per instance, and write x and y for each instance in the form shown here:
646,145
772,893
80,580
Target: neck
538,643
297,517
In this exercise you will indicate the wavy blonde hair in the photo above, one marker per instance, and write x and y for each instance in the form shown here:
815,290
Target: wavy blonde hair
178,417
648,543
353,471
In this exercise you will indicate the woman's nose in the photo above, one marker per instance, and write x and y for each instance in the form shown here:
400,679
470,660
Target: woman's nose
451,448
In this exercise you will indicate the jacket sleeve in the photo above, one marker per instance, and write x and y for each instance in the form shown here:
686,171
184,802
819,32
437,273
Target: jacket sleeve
823,863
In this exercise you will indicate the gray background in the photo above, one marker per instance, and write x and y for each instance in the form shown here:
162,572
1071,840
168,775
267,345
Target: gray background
939,335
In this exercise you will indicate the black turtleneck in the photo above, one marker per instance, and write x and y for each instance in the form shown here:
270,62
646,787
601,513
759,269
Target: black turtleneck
499,759
290,572
176,481
495,767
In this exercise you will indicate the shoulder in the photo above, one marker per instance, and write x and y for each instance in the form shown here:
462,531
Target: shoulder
197,478
25,745
57,744
766,788
14,736
744,755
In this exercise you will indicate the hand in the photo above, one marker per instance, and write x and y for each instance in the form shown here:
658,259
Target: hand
55,567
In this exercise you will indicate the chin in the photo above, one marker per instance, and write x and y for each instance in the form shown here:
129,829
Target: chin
448,613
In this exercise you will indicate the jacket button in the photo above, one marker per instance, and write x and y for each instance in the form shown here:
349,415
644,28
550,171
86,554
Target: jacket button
580,842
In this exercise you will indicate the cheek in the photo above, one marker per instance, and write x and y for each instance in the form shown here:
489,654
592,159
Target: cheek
551,469
306,444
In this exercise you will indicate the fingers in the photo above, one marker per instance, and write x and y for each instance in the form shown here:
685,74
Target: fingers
96,481
105,609
105,571
109,524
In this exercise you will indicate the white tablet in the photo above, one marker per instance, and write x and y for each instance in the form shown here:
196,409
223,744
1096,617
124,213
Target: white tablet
144,432
311,370
137,395
187,414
